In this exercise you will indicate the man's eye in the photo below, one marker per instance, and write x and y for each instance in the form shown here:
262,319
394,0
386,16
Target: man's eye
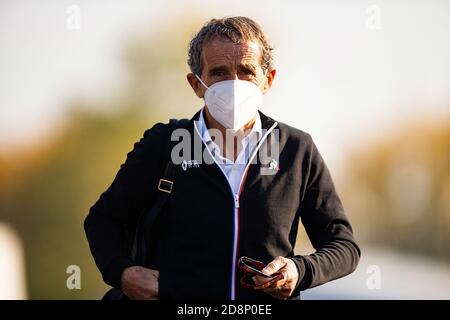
247,72
218,73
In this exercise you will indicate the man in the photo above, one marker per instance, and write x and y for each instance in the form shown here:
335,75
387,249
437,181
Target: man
228,202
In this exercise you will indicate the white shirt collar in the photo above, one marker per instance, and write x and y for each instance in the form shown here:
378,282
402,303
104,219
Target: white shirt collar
255,132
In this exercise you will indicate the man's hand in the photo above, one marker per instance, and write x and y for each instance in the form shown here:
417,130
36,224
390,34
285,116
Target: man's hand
284,287
139,283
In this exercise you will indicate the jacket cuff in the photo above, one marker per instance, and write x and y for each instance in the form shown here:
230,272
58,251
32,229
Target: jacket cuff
112,273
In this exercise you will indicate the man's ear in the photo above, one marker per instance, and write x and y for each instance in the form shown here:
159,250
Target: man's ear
195,84
270,76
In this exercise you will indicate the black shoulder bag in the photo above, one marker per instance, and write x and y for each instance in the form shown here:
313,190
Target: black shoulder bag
147,217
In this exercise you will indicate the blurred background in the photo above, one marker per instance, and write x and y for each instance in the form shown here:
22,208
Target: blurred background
81,80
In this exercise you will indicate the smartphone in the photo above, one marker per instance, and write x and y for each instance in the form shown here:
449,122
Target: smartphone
253,266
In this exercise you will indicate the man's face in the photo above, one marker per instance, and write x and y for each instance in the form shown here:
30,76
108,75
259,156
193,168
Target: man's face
224,60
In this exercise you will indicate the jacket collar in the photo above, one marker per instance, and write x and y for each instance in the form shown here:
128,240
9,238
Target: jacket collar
214,170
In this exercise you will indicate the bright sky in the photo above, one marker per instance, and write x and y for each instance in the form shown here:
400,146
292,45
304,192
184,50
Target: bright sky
343,74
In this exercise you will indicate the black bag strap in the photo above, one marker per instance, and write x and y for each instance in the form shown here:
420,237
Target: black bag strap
164,189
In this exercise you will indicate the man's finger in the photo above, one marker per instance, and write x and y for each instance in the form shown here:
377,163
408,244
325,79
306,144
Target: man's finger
274,266
259,280
278,284
155,273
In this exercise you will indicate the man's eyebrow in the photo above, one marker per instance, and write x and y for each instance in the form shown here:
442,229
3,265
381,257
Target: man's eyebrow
217,68
247,66
241,67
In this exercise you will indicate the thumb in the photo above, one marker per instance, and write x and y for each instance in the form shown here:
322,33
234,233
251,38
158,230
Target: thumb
274,266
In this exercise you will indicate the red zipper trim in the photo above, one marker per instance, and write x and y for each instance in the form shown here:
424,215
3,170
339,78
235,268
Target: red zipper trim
239,229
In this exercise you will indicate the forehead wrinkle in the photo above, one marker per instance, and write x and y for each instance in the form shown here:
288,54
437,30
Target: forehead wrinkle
218,54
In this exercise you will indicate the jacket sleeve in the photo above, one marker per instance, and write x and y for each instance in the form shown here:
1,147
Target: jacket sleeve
120,205
326,225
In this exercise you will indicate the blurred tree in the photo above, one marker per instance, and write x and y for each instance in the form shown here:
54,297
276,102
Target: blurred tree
47,190
398,190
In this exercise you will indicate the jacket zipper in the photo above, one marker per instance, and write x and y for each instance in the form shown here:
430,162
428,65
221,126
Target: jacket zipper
236,203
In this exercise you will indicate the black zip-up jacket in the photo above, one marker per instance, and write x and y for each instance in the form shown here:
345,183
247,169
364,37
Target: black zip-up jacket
201,233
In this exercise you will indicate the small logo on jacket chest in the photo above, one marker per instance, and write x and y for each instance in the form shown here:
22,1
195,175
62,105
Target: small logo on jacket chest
189,164
271,168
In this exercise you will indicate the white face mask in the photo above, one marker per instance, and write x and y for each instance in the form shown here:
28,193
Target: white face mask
232,103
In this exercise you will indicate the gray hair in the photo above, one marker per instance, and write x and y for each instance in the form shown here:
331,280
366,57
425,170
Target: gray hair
235,29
